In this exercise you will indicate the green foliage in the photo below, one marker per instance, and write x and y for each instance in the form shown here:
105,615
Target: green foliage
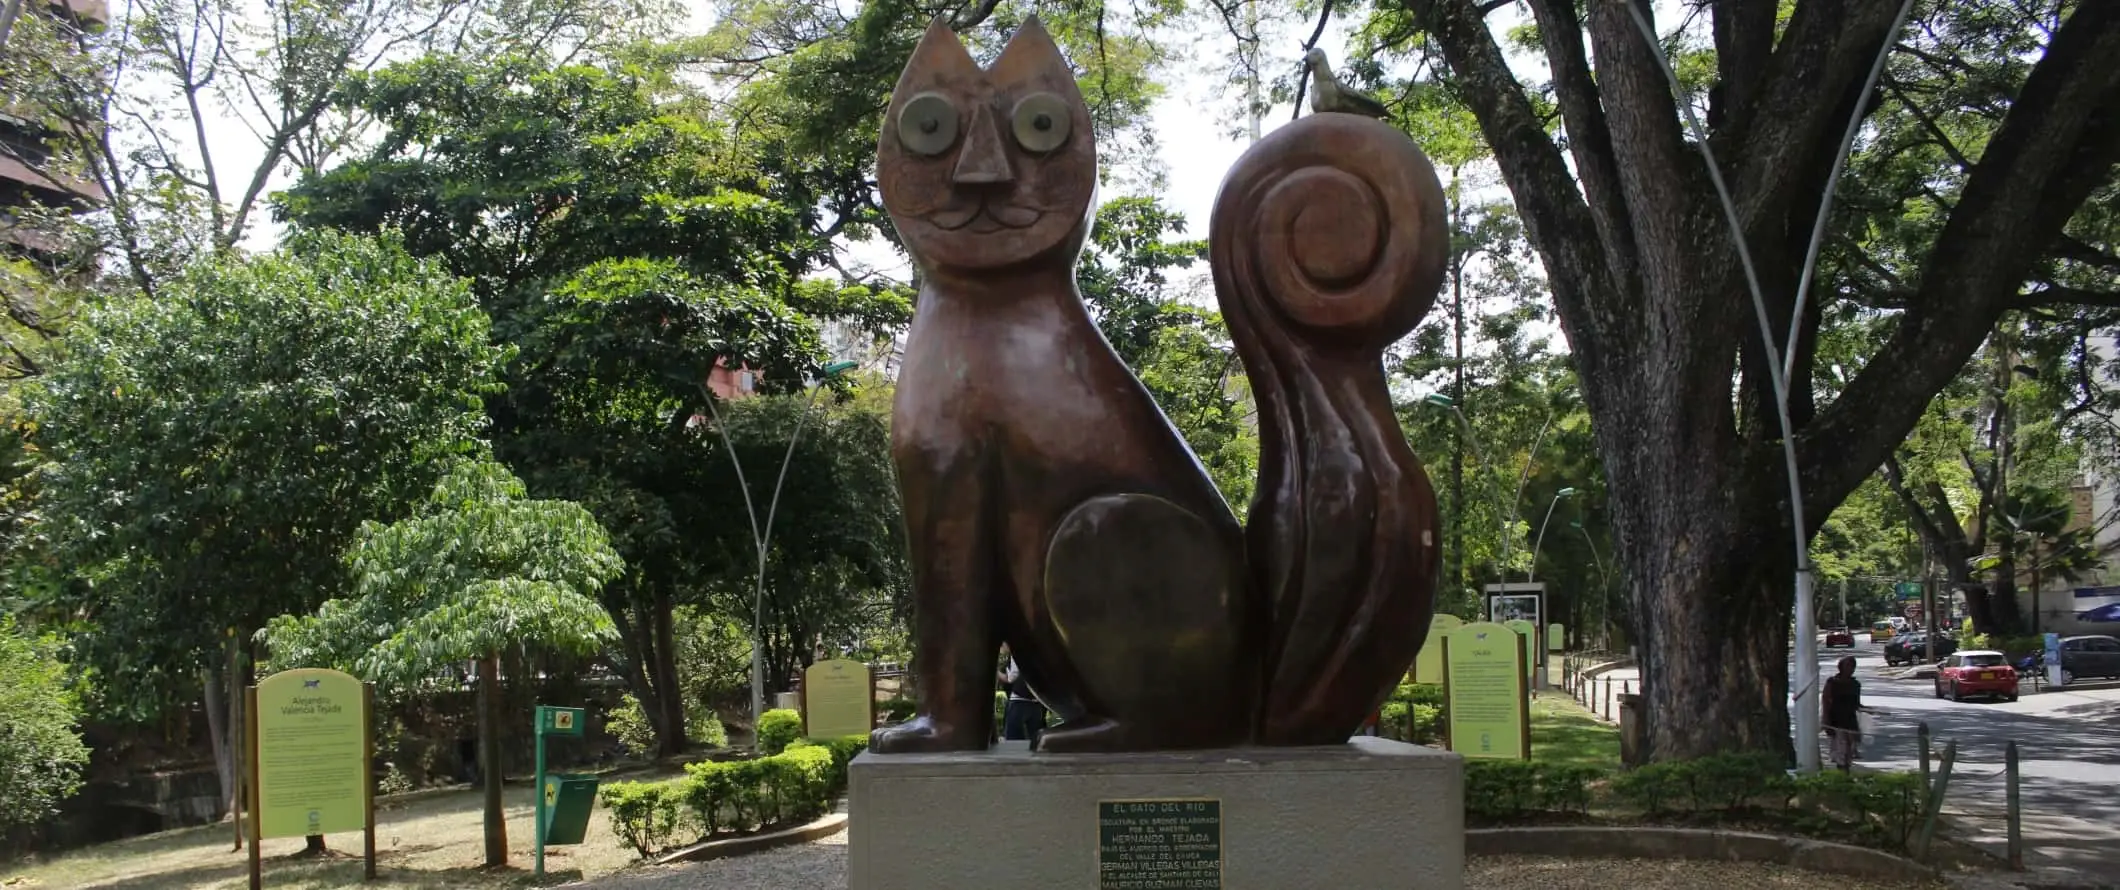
629,724
643,814
479,568
896,709
777,729
1880,808
213,451
41,755
1886,807
1499,790
1181,352
795,785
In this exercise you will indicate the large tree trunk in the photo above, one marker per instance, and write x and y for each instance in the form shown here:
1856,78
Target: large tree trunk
491,766
1646,281
663,665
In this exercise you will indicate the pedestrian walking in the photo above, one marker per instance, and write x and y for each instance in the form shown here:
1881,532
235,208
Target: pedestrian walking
1023,718
1842,701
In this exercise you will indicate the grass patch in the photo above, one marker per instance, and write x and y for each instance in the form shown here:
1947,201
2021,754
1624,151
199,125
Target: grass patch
430,842
1563,732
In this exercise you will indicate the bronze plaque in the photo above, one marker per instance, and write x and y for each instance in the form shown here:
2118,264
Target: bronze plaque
1159,844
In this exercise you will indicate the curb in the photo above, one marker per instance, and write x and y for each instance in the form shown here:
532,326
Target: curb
1598,842
831,824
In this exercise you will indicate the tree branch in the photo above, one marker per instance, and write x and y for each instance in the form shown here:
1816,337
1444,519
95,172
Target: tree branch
1556,218
1589,140
2059,141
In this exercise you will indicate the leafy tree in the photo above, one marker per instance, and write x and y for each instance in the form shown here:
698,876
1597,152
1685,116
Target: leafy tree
41,755
1135,279
1649,289
479,568
837,558
210,453
627,243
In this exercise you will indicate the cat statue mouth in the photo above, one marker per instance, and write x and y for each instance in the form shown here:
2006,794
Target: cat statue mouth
984,217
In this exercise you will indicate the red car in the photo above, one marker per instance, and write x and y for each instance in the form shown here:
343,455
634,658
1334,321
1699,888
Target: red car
1841,637
1977,672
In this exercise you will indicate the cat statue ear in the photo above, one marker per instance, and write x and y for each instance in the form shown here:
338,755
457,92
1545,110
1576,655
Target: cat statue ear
939,55
1029,51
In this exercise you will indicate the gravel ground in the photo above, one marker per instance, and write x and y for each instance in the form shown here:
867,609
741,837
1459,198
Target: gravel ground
822,866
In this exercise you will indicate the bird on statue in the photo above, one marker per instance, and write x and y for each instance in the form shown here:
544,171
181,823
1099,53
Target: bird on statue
1327,94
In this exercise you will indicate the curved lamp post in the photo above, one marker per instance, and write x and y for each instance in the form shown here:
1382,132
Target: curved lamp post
1540,541
1604,584
1444,402
762,535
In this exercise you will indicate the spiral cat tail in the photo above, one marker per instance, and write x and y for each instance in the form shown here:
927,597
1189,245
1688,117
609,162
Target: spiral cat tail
1328,243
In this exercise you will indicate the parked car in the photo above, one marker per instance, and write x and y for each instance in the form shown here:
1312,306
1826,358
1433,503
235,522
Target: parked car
1840,637
1882,631
1913,648
1977,672
2089,656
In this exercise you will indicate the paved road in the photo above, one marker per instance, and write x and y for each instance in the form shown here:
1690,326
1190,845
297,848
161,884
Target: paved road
2068,747
2068,744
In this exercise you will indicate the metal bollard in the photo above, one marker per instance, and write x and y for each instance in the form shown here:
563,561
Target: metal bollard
2013,807
1935,809
1921,732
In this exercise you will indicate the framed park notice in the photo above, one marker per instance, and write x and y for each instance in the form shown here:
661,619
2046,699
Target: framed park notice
838,699
1428,666
309,755
1173,844
1485,693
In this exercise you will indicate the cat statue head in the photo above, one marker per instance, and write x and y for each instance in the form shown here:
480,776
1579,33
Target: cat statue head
988,168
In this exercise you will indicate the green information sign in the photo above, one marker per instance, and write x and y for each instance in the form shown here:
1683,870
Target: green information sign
1159,844
1908,590
1428,665
311,734
1529,631
838,699
1556,638
1486,693
552,720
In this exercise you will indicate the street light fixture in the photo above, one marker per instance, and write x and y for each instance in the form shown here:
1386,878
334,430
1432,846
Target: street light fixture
1540,541
762,535
1604,583
1503,516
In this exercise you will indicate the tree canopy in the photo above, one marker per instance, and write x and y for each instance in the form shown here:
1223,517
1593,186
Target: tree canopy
210,453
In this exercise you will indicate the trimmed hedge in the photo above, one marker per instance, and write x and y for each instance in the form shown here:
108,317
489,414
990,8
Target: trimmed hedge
1882,809
730,797
777,729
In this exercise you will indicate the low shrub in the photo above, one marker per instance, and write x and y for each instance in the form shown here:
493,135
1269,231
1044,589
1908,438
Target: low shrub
1884,807
643,814
1410,722
778,728
796,785
629,724
896,709
1501,790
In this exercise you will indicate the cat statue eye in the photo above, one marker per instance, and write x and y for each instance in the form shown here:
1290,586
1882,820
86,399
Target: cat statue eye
1040,122
928,124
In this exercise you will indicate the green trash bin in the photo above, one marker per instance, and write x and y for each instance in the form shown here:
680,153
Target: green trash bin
568,800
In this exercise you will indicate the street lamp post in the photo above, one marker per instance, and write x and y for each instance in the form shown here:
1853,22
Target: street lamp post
762,535
1503,516
1539,542
1604,584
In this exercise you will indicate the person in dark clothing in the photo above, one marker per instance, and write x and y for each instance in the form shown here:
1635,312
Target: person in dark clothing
1023,718
1842,701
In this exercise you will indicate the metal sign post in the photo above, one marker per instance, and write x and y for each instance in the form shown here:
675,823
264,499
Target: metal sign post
550,721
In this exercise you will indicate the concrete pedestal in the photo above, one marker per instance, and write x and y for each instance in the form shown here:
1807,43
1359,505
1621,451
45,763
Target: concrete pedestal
1371,813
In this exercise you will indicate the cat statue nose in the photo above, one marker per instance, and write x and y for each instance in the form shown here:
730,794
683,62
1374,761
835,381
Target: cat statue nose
983,160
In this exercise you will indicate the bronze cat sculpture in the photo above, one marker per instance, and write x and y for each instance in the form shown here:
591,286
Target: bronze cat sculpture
1049,503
